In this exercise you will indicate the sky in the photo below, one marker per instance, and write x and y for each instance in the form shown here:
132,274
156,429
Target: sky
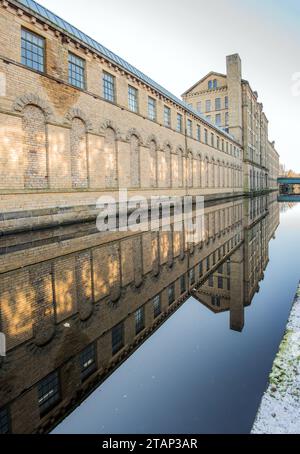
178,42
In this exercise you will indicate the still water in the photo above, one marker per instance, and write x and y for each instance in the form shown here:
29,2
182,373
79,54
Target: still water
146,333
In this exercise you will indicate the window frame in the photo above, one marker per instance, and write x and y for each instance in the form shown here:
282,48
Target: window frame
45,409
155,108
121,344
71,54
167,111
5,423
140,321
86,372
135,90
199,133
218,104
106,73
189,128
179,121
171,293
156,312
26,30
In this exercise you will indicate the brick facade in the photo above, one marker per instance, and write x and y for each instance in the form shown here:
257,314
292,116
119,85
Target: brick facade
70,294
62,146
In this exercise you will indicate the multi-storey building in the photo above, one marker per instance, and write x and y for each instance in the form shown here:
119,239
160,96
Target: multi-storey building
78,122
74,305
228,101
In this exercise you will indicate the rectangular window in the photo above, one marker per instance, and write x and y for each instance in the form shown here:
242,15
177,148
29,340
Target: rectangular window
4,421
192,276
227,147
189,128
215,301
139,320
157,306
226,119
218,120
212,140
218,143
182,284
76,71
220,282
228,284
205,136
201,268
211,280
32,50
171,294
108,87
207,263
167,117
48,392
151,109
222,144
218,104
179,123
199,133
208,105
226,102
228,268
117,338
199,107
132,99
87,362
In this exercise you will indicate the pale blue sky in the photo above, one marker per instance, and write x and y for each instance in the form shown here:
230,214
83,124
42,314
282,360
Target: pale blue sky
177,42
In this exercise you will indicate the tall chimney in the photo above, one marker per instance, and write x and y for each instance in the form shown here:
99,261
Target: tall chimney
234,83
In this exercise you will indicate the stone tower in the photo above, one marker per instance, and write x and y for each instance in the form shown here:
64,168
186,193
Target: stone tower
234,83
237,290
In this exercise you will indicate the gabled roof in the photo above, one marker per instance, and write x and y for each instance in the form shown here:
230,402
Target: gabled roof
212,73
67,28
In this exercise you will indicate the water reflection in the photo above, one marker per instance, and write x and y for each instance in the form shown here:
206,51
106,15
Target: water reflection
75,303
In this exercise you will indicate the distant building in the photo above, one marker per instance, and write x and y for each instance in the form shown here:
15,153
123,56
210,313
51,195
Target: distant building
228,101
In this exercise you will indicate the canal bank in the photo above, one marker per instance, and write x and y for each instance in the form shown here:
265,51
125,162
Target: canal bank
280,406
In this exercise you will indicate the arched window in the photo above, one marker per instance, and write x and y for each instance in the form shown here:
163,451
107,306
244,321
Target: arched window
180,168
78,154
34,147
110,159
135,177
190,170
153,164
168,165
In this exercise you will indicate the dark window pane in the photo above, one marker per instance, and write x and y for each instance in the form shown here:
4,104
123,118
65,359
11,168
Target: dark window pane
157,306
117,338
48,392
32,50
139,320
108,87
171,294
4,421
133,99
87,361
76,71
182,284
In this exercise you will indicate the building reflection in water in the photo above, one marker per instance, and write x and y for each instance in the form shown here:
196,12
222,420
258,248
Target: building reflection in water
75,303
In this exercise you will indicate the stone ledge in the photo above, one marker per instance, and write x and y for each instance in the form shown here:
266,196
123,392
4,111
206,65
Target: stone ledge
36,219
279,411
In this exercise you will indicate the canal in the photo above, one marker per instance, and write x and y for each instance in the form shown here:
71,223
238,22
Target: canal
133,342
